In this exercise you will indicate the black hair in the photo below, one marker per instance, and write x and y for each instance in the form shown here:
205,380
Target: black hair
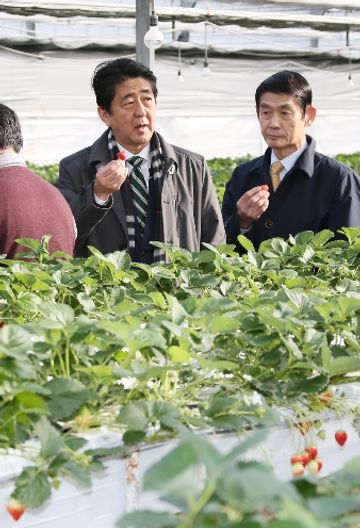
10,129
109,74
286,82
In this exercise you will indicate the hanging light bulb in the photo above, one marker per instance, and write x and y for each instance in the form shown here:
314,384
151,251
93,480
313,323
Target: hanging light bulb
206,72
153,38
180,77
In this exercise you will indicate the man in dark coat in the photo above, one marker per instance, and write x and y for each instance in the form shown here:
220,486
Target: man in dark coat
131,186
30,206
291,188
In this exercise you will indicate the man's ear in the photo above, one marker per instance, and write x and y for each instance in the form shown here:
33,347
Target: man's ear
310,115
104,116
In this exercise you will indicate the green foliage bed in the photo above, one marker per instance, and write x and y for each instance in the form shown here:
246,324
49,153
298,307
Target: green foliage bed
212,341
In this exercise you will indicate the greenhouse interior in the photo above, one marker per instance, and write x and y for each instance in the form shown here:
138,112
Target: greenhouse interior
217,389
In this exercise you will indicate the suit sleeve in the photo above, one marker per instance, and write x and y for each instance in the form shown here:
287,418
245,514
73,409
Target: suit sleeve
212,227
229,211
81,200
345,209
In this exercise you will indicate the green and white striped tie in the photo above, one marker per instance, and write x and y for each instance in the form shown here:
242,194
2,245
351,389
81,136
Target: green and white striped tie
139,192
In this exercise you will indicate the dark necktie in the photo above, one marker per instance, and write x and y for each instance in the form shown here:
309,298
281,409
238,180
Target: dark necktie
275,170
139,192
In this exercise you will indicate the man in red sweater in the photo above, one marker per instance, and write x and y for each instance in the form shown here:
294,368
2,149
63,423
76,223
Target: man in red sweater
30,206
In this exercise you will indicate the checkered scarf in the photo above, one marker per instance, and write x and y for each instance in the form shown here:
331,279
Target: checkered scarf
156,173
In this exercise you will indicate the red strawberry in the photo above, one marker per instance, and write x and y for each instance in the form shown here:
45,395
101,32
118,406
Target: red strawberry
298,470
296,458
264,187
312,450
341,437
121,155
305,457
15,508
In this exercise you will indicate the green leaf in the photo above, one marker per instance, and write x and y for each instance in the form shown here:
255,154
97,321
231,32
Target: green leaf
178,354
326,356
245,243
333,507
343,365
50,439
178,313
133,437
285,524
106,452
31,402
348,305
320,239
175,469
135,415
292,346
62,313
308,386
67,397
80,473
222,324
293,510
148,519
32,487
86,302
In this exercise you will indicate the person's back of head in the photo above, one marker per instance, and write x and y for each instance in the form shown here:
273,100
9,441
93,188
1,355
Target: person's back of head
10,129
109,74
286,82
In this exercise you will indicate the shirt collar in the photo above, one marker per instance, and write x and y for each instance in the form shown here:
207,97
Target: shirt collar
7,160
290,160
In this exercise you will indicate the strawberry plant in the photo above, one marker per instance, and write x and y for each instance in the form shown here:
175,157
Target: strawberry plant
213,340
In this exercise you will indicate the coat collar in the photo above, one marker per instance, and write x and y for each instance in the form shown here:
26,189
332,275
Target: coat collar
304,163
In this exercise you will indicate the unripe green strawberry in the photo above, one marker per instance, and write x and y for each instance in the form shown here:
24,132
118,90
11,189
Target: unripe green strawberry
322,434
313,467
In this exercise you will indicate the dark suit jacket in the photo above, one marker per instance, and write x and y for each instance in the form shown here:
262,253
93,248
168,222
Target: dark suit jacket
317,193
190,208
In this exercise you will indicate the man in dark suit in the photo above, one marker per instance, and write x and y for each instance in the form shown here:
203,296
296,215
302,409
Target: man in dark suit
131,186
291,188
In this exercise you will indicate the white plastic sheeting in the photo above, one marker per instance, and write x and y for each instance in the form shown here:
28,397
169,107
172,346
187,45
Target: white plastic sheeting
212,115
118,490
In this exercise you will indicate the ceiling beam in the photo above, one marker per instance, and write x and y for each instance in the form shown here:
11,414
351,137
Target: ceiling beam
248,19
